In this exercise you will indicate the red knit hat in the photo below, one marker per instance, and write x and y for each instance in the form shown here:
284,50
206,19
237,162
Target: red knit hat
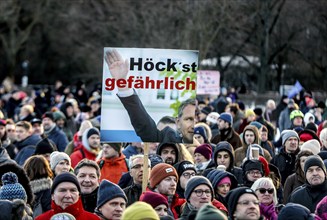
160,172
205,150
153,198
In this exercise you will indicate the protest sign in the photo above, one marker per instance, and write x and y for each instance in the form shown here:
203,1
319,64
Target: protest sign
208,82
159,77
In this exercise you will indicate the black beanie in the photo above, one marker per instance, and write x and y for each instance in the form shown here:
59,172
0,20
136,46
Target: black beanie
48,115
65,177
91,132
184,165
193,183
252,165
314,160
44,146
233,196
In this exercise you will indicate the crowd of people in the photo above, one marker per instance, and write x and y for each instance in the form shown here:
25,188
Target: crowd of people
54,166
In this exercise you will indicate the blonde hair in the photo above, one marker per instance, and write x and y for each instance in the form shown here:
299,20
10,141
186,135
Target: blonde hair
265,181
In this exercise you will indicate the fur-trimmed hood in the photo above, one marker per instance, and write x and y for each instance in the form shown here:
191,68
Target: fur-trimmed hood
41,184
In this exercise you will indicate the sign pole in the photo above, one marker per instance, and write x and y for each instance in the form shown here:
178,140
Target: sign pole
145,167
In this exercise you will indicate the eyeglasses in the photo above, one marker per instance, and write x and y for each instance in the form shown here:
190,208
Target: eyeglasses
188,175
138,166
252,173
263,190
247,202
199,192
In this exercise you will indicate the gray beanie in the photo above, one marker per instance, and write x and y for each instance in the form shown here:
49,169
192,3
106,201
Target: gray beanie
56,157
193,183
286,134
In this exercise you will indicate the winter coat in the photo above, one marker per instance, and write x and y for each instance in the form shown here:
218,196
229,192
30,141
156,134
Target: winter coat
24,154
133,193
31,140
59,138
112,169
292,182
230,136
42,192
75,209
309,196
284,121
90,200
16,209
285,162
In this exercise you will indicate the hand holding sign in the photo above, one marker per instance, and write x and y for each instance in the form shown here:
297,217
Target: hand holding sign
117,66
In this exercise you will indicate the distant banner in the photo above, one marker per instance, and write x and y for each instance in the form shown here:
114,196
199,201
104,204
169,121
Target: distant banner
208,82
157,76
296,89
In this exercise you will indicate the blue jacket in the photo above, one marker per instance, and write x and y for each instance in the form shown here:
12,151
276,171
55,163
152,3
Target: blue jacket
59,138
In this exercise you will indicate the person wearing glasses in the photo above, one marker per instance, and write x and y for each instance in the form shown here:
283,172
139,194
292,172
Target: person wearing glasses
252,170
266,192
199,192
243,204
185,170
134,191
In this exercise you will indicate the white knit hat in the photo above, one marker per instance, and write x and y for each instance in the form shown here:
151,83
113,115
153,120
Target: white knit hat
311,145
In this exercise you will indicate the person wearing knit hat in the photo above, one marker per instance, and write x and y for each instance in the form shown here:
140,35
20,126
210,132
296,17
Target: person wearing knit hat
113,163
169,152
110,193
163,180
53,132
65,194
285,160
140,211
293,211
243,203
199,192
185,171
210,212
227,117
200,135
311,145
45,147
11,189
316,188
90,146
202,158
158,202
307,134
252,170
59,162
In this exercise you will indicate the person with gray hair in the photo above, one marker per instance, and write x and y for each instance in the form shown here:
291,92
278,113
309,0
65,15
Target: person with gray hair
134,191
265,190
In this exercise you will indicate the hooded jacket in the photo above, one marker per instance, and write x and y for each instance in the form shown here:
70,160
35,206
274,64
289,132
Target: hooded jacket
84,152
236,171
240,153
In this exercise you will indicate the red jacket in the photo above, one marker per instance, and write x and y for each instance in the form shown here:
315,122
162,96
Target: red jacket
112,169
220,206
76,210
77,156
